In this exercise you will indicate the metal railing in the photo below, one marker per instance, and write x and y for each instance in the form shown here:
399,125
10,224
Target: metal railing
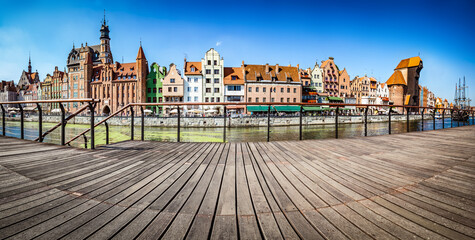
336,109
91,104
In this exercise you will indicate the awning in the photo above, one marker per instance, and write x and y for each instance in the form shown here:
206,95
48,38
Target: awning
335,99
310,109
287,108
258,108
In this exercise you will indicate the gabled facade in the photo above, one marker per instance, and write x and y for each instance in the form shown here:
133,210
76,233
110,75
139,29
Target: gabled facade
154,86
8,92
213,73
172,87
330,77
193,85
317,79
234,86
28,77
344,83
360,88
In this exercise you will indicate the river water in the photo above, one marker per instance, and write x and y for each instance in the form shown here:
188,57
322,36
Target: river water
251,134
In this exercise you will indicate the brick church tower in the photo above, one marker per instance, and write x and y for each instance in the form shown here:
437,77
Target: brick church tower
142,72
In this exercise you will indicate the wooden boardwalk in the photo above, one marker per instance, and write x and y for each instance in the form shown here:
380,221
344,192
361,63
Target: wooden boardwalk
405,186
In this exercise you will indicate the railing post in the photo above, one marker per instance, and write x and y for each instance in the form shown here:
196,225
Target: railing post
132,123
443,119
422,115
336,122
22,126
91,108
63,125
389,128
473,118
451,118
178,125
433,119
300,123
366,121
3,120
268,123
224,124
143,123
107,132
85,141
407,122
40,122
458,121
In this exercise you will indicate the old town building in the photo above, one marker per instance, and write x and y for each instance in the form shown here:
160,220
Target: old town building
213,71
404,83
172,87
118,84
154,86
344,83
193,86
28,77
8,92
309,92
317,78
57,86
330,77
234,88
267,83
360,88
46,87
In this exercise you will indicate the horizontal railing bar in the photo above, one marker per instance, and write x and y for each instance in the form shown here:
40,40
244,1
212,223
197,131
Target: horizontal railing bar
53,101
59,124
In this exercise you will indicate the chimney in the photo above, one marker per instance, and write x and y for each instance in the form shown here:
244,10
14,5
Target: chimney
243,62
267,68
298,66
331,58
277,69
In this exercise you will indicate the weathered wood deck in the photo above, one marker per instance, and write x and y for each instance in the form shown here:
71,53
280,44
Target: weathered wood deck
404,186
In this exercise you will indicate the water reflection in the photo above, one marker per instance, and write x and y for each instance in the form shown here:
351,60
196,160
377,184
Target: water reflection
239,134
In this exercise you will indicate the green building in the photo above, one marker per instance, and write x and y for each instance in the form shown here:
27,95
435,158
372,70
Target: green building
154,86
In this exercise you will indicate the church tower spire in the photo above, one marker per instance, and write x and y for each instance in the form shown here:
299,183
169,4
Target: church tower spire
105,55
29,63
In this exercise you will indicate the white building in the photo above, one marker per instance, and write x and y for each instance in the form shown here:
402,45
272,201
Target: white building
317,78
234,88
193,84
213,73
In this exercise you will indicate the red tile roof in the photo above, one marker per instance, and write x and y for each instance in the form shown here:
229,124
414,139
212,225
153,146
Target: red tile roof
230,72
409,62
396,79
283,74
196,65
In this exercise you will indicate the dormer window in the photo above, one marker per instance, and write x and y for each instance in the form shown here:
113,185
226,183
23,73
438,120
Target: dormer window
274,78
192,69
289,79
233,78
259,78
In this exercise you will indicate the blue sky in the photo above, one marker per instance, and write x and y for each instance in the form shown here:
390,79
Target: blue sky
365,37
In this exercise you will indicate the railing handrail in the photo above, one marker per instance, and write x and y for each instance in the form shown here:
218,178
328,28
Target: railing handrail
53,101
59,124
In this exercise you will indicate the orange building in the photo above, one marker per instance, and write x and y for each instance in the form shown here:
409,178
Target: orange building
344,84
266,83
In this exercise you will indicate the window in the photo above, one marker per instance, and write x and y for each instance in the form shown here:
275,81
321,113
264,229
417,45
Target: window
188,89
282,99
257,99
250,89
192,69
189,79
206,99
249,100
195,89
169,89
196,80
75,86
175,89
215,62
208,90
212,99
154,99
233,77
135,77
288,90
216,80
216,90
209,62
257,89
75,94
208,71
264,90
263,99
281,90
149,99
154,90
208,80
172,80
295,90
218,99
272,99
196,99
216,71
188,99
295,100
288,99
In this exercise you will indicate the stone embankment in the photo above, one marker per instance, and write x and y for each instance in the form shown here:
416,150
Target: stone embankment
232,122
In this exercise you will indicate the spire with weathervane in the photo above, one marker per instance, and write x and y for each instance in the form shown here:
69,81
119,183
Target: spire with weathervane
106,54
29,63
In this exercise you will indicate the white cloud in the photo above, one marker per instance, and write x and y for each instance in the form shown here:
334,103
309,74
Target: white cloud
218,43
